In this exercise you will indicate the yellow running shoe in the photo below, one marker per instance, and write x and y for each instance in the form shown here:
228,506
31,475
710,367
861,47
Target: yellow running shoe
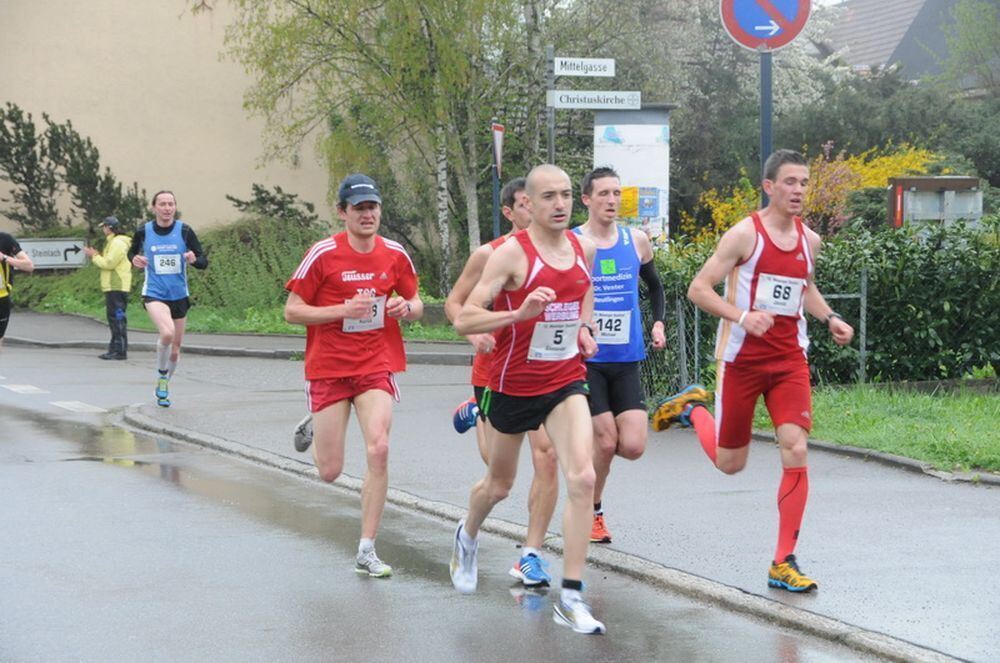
669,409
788,576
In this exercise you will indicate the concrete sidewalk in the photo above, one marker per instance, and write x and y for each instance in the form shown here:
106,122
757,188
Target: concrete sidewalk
56,330
901,557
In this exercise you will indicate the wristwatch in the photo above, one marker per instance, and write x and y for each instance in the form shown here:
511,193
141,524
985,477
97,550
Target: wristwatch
589,327
831,316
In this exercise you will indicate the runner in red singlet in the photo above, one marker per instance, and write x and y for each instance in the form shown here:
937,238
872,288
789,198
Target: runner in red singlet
530,568
767,263
536,293
349,291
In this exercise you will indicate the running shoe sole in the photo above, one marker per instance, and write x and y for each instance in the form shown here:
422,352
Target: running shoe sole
365,572
778,584
515,572
559,618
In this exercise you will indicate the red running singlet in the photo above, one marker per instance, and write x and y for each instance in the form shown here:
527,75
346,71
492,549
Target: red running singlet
773,280
541,355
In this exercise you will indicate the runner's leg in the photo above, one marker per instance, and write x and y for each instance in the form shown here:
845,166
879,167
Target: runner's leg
500,473
373,409
329,431
544,491
571,431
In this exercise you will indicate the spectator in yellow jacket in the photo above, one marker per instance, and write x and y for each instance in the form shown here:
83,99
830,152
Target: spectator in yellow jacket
116,280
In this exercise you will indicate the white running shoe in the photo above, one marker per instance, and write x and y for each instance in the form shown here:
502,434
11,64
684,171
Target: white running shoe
303,436
575,613
370,563
464,569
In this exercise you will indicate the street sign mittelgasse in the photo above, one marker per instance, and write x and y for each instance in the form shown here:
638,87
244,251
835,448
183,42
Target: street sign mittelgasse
764,25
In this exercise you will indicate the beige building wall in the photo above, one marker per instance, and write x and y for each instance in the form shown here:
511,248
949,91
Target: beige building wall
143,79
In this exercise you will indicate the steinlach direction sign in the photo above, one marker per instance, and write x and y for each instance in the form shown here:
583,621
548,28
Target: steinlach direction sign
584,67
54,253
596,99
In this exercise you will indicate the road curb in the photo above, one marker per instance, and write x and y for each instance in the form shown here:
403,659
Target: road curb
416,357
892,460
703,589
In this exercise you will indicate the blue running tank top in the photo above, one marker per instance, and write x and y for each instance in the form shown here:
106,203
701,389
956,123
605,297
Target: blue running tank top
616,301
166,273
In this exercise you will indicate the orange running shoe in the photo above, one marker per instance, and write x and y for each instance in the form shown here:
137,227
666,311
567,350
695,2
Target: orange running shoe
599,533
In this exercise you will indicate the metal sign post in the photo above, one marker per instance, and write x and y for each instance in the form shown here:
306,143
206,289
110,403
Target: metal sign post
764,26
550,112
497,130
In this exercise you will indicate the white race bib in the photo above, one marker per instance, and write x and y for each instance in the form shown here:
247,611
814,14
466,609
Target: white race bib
613,327
167,263
554,341
781,295
376,320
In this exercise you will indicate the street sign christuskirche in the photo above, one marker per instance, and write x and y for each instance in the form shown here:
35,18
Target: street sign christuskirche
764,25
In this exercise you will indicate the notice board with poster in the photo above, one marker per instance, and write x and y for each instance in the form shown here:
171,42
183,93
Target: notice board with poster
636,143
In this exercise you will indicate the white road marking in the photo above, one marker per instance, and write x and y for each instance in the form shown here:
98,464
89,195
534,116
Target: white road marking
77,406
24,388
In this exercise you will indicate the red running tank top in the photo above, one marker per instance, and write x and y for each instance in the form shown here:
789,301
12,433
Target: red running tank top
771,279
482,361
541,355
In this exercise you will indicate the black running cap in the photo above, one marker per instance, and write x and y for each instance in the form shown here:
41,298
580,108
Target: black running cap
111,222
357,189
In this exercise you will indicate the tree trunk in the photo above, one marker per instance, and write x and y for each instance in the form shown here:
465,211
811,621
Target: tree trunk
469,173
536,60
444,226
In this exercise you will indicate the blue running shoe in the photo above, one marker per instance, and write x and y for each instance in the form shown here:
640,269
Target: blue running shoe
162,387
531,571
163,402
465,415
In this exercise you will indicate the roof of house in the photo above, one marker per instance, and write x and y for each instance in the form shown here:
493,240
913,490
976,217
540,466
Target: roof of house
876,33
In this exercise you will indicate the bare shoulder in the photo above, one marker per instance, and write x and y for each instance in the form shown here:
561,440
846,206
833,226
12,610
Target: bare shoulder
588,246
643,247
815,241
738,241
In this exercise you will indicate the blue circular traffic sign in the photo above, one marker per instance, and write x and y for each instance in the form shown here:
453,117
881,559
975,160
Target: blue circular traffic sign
764,25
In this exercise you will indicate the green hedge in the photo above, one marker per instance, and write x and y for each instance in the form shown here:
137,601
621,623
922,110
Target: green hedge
933,300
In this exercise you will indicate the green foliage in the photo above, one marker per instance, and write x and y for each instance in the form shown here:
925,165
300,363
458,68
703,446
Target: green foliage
249,263
868,208
974,45
25,162
277,205
97,195
934,302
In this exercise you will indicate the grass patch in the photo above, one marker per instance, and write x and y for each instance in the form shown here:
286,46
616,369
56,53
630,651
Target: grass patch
954,431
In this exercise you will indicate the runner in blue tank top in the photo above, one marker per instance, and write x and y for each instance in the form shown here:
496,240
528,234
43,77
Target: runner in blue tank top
164,247
617,403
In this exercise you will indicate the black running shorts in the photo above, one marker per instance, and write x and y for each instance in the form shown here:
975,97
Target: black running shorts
519,414
615,387
178,307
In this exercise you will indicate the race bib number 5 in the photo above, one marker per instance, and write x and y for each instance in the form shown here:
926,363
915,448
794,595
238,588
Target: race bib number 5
167,263
375,320
781,295
554,341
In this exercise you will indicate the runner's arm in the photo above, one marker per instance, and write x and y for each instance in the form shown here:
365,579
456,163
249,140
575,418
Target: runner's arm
298,312
735,245
200,260
20,261
467,280
135,249
476,316
817,305
649,276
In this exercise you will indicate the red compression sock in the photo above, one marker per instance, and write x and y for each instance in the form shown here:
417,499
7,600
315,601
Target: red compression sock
704,426
792,495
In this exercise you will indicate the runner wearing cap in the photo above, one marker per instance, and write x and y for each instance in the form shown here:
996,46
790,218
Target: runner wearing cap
164,247
116,281
349,291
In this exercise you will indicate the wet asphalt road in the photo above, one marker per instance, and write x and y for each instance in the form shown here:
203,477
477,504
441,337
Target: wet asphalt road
120,546
894,552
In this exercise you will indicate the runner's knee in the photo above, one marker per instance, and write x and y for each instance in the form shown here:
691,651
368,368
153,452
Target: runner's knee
580,483
329,470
